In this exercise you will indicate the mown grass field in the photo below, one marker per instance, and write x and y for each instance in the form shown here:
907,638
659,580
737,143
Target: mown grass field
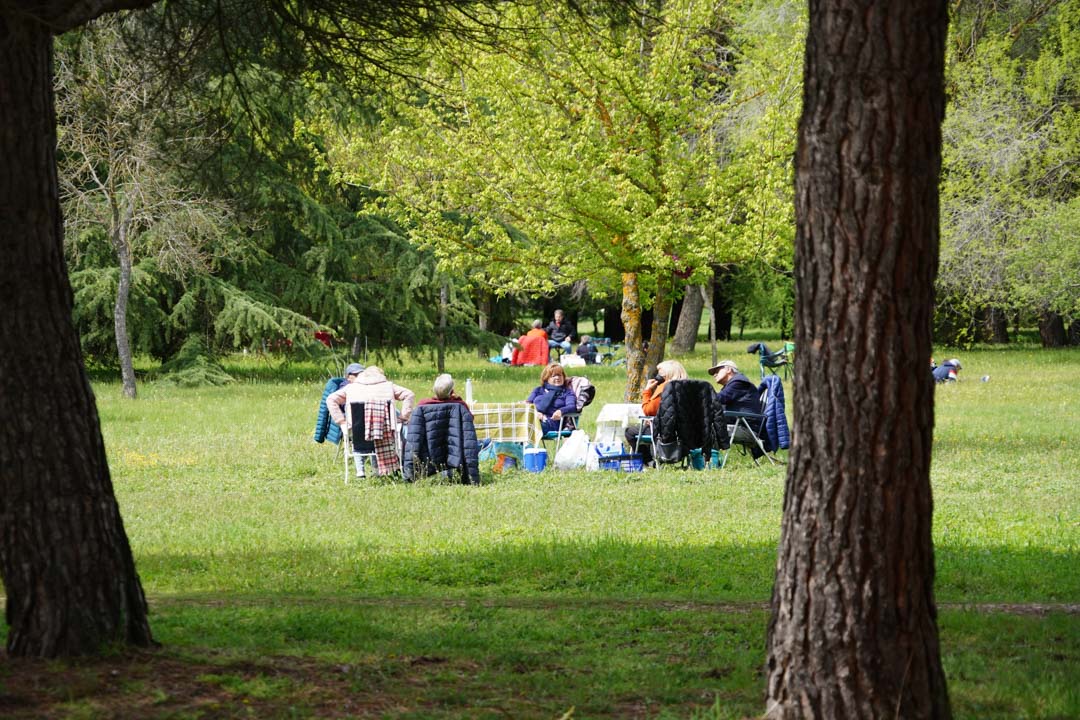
280,591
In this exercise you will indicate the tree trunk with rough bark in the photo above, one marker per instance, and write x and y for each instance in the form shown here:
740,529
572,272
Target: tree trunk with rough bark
66,564
853,632
123,292
631,321
684,339
658,329
707,293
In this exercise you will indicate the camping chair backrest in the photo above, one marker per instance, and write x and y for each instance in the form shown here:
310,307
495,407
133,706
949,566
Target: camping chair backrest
354,436
769,361
584,392
357,429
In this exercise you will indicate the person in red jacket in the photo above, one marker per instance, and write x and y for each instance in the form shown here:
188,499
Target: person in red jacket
533,347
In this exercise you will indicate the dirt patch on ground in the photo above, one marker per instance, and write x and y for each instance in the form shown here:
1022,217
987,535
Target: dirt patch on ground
160,684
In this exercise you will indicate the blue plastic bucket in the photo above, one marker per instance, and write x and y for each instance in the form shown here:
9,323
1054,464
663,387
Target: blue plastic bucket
535,459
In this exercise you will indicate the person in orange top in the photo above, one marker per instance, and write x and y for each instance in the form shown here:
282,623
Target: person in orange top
533,347
650,402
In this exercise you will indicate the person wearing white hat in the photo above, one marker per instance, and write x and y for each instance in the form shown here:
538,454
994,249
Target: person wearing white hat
738,394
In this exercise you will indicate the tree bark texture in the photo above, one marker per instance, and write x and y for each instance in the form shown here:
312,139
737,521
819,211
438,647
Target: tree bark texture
483,321
120,328
853,632
684,339
631,321
65,561
658,328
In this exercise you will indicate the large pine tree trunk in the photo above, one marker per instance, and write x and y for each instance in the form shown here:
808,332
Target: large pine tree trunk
64,557
853,632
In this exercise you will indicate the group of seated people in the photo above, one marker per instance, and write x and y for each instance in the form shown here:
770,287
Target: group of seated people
534,346
737,394
553,398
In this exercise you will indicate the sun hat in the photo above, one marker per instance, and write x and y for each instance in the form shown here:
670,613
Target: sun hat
354,369
723,364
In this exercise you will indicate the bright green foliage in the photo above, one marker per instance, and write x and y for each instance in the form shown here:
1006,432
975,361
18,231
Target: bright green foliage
1011,160
585,152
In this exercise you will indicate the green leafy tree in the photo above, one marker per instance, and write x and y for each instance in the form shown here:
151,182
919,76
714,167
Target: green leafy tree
1011,160
576,152
115,179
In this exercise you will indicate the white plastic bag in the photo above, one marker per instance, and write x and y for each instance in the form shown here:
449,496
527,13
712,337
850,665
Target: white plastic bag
573,451
568,360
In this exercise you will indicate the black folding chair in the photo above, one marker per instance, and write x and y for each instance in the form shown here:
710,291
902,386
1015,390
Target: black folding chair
747,430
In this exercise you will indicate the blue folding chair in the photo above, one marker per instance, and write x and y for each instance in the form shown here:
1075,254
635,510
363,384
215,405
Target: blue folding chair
770,361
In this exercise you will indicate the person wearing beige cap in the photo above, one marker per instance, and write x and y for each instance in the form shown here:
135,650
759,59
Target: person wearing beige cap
737,393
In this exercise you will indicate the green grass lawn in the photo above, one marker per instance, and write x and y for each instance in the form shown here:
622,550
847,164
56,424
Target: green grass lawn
557,594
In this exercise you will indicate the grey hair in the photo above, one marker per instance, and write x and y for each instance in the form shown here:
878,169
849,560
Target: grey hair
538,323
444,385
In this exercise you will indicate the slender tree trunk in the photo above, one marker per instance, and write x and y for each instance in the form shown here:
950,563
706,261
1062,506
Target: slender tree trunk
444,309
658,332
684,339
631,320
997,326
64,556
123,292
483,321
853,632
722,302
707,300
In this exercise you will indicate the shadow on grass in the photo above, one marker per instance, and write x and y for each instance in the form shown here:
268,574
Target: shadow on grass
609,628
608,567
609,660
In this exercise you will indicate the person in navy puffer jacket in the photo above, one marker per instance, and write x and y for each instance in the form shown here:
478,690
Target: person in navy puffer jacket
553,398
442,437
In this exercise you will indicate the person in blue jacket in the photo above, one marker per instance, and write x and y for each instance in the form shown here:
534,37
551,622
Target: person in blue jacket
737,394
324,428
948,371
553,398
